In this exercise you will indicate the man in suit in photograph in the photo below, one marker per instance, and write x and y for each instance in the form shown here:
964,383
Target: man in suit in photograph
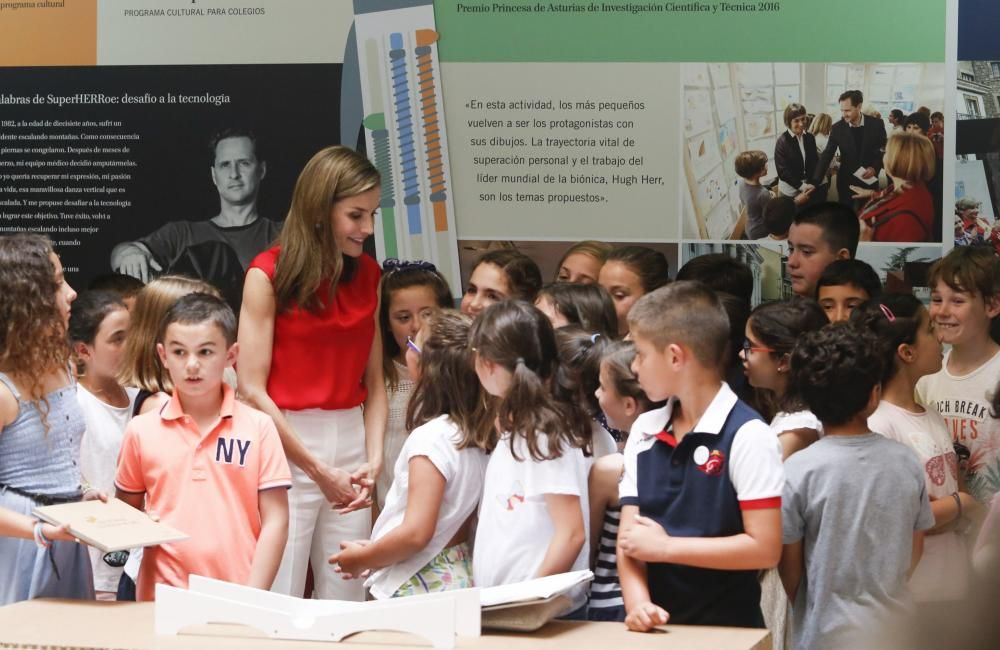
860,140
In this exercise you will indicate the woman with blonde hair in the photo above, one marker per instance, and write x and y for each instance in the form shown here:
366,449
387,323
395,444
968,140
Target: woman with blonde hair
311,358
820,128
903,211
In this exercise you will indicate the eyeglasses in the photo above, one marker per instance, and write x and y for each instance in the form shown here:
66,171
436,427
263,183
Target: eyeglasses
413,346
749,347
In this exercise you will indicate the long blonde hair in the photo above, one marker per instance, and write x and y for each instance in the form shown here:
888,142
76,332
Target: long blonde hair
822,124
141,366
309,252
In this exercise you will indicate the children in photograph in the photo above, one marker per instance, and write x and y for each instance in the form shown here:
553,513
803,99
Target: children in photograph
771,334
98,326
622,401
40,424
855,503
206,464
577,379
628,274
411,292
701,489
501,274
751,166
903,211
964,287
911,350
778,215
582,262
420,543
844,285
588,306
533,518
819,235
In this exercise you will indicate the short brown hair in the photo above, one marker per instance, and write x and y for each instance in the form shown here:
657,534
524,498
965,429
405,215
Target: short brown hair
910,156
972,269
750,163
793,111
685,312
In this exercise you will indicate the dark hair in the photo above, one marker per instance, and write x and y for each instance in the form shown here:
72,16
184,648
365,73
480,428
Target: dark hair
518,337
586,305
720,272
895,319
750,163
579,372
738,312
835,370
396,275
897,114
124,285
920,119
779,325
618,357
686,312
448,384
937,115
855,97
196,308
650,265
88,312
839,223
232,132
779,212
973,269
792,111
853,272
523,276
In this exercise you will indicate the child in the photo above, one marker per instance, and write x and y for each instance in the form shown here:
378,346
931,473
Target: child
40,424
585,305
97,330
420,542
499,275
582,262
410,293
228,492
779,213
855,503
533,514
751,166
844,285
577,379
819,235
911,350
628,274
964,287
704,472
125,286
771,334
621,401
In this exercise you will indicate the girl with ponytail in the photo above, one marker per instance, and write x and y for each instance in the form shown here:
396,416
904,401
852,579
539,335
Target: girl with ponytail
534,511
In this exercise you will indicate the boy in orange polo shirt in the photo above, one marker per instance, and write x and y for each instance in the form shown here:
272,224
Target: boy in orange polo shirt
206,464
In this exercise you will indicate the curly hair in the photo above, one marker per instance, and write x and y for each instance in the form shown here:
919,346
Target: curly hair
33,340
835,369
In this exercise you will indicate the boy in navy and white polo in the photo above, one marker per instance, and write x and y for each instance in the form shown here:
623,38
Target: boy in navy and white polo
701,494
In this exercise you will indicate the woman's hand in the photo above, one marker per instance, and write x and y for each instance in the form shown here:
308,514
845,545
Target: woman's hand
336,485
861,192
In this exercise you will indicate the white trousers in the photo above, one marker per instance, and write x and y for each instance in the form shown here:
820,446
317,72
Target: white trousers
315,530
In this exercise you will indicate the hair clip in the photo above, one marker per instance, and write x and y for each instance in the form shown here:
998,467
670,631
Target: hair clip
392,264
888,312
594,337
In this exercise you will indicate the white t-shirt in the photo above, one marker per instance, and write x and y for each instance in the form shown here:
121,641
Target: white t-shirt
99,449
943,571
803,419
463,469
964,403
515,526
